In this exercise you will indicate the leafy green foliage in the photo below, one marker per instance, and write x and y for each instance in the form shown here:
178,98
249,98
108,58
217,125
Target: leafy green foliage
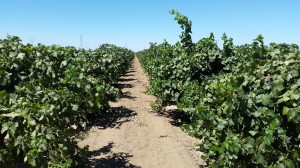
47,94
186,34
243,101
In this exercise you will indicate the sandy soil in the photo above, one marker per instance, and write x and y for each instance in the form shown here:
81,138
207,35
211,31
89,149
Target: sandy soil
134,136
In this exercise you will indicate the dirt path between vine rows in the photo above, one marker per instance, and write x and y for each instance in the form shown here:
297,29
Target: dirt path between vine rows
134,136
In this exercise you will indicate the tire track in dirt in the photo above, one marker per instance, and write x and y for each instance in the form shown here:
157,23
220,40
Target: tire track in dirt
136,137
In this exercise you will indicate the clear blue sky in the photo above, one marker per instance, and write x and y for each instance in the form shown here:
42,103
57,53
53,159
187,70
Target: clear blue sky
135,23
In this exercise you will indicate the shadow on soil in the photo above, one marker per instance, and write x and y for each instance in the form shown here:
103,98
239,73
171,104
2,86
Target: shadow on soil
113,160
127,95
122,85
177,117
122,94
126,79
128,74
113,118
130,71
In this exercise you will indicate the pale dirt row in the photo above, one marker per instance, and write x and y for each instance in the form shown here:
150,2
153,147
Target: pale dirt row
133,136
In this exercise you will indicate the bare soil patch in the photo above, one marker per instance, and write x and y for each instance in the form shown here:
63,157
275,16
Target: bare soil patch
132,136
